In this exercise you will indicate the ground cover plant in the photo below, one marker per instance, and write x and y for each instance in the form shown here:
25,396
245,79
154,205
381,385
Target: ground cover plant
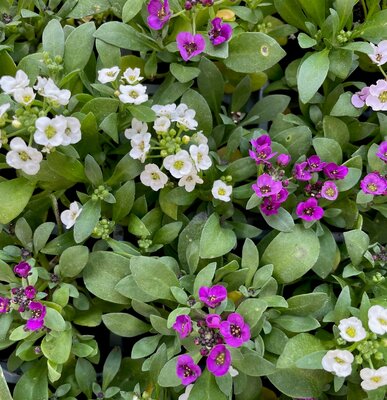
193,199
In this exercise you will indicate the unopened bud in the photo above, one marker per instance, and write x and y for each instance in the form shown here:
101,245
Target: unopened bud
16,124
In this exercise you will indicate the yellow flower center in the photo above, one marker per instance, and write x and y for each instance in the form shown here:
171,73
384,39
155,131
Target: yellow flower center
330,192
339,360
50,131
220,359
376,379
221,192
178,164
27,98
24,156
133,94
155,176
383,97
382,321
372,187
351,331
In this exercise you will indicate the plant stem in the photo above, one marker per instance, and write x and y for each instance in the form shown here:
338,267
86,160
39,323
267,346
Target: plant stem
364,9
54,203
382,71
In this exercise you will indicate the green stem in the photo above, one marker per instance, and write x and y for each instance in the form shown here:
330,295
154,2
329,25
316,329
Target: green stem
363,3
54,203
382,71
178,13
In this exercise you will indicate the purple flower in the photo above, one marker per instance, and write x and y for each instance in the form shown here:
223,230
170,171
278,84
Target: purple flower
262,150
213,320
263,140
30,292
219,360
212,296
377,98
309,210
38,312
187,370
329,190
159,13
183,325
315,164
269,207
220,32
302,172
379,55
266,186
382,151
334,171
190,45
283,160
359,98
4,305
22,269
373,184
281,196
235,331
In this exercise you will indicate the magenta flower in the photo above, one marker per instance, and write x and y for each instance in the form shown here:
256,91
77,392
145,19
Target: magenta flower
377,98
266,186
329,190
269,207
213,320
334,171
219,360
262,150
302,172
187,370
283,160
220,32
190,45
382,151
315,164
263,140
159,14
183,325
373,184
22,269
4,305
359,98
309,210
30,292
281,196
38,312
212,296
235,331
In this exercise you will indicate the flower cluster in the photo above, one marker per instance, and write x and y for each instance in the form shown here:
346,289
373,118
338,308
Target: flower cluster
367,344
213,334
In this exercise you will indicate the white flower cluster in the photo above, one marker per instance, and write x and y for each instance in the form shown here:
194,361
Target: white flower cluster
181,114
351,329
132,92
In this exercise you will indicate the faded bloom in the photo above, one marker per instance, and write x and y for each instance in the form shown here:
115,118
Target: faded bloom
212,296
373,183
179,164
382,151
377,319
3,109
38,312
359,98
133,94
106,75
334,171
50,132
221,191
4,305
219,360
309,210
329,190
200,156
351,329
9,83
190,180
23,157
159,14
153,177
187,370
379,55
68,217
22,269
235,331
377,98
183,325
132,75
136,128
339,362
220,32
266,186
190,45
373,378
140,146
24,96
213,320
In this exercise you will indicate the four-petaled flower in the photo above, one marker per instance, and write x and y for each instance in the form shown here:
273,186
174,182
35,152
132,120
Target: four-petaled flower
190,45
377,319
334,171
159,14
153,177
38,312
377,97
382,151
373,378
22,269
219,360
23,157
351,329
235,331
220,32
221,190
212,296
309,210
266,186
183,325
329,190
187,370
339,362
68,217
379,55
373,183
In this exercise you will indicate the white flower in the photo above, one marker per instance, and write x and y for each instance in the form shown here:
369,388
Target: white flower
164,111
72,133
47,88
24,96
50,132
9,84
153,177
379,56
339,362
199,138
140,146
3,109
137,127
373,378
133,94
161,124
190,180
187,392
377,319
23,157
68,217
233,372
200,156
106,75
178,164
351,329
42,82
221,191
132,76
184,116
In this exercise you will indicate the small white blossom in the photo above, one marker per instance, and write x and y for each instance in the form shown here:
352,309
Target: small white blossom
153,177
233,372
68,217
42,82
106,75
3,109
185,117
379,56
200,156
221,191
164,111
132,75
190,180
178,164
133,94
377,319
373,378
72,133
50,132
161,124
140,146
351,329
24,96
53,93
137,127
339,362
187,392
199,138
23,157
9,84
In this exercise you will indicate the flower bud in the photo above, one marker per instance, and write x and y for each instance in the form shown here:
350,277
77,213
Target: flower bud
16,124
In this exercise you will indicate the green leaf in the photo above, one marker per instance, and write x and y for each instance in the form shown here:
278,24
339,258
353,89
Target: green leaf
167,376
33,383
216,241
66,166
292,253
328,150
93,171
311,74
198,103
131,9
167,233
252,311
291,12
124,200
315,10
101,107
24,233
53,39
42,234
304,304
305,41
87,220
85,375
126,169
241,94
85,8
205,388
295,323
145,346
241,169
282,221
335,128
57,347
184,74
72,261
125,325
374,29
4,391
251,363
357,243
344,9
204,277
297,140
54,320
269,107
250,259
